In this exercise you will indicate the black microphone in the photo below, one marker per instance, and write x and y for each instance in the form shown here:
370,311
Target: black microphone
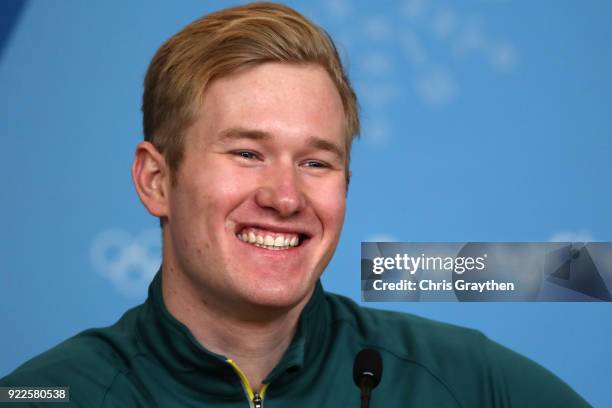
367,372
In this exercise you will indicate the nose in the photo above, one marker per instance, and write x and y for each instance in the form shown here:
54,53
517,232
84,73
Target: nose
281,192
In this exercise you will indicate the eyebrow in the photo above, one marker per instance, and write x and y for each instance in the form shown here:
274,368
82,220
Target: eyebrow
315,142
322,144
230,134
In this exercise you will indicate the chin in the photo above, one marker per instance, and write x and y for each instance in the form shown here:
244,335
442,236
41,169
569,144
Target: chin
278,294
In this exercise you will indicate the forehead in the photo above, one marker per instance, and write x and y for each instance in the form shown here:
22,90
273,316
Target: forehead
280,99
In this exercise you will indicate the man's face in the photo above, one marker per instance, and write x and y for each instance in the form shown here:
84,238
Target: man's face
259,202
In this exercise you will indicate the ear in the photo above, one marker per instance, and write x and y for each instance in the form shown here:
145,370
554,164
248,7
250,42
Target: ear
150,175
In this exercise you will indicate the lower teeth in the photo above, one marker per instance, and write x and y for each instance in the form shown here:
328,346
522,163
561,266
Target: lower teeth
274,248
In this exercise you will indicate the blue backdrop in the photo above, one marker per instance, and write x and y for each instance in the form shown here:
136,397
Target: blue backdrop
483,121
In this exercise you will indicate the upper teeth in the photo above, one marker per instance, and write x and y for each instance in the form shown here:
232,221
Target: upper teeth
278,241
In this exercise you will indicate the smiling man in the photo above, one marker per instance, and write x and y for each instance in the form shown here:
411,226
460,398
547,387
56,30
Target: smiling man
254,210
248,121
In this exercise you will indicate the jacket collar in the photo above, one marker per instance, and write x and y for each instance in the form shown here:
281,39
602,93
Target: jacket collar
173,345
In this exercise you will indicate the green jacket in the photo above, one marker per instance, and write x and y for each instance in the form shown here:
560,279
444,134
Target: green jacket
149,359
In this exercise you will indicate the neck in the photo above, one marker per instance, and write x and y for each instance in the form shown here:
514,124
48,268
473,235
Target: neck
255,345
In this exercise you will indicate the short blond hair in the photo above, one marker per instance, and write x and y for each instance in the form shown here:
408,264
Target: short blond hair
218,45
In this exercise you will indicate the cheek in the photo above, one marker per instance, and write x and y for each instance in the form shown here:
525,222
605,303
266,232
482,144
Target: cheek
206,197
329,202
228,187
219,184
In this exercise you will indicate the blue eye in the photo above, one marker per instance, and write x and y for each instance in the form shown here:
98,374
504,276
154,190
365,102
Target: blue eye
316,164
245,154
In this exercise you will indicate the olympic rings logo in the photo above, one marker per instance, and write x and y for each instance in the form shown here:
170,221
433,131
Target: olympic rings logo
128,261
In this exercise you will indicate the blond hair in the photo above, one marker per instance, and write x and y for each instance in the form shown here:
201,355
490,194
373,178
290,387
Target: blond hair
219,44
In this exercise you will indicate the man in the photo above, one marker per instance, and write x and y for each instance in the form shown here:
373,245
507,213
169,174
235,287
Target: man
248,120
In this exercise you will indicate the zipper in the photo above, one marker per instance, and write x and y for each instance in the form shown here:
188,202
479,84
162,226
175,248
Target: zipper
255,398
257,401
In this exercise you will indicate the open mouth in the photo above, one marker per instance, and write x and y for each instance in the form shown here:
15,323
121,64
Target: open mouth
275,241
